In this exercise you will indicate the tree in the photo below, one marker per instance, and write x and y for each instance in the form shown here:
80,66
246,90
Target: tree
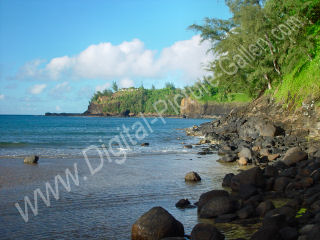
107,92
114,86
141,86
253,25
170,86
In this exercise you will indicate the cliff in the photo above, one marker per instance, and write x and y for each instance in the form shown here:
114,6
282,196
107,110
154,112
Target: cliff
94,108
188,108
194,109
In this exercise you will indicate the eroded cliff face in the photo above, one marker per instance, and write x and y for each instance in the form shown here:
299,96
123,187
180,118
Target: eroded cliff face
193,109
189,108
94,109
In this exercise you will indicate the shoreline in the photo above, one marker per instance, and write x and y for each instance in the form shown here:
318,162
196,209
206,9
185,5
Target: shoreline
279,188
48,114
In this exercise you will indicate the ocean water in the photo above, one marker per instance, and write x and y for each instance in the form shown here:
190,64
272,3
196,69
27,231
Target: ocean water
115,179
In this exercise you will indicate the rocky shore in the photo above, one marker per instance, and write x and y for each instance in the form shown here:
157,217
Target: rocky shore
281,152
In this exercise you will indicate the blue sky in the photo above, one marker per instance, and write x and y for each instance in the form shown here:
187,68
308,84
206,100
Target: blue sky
55,54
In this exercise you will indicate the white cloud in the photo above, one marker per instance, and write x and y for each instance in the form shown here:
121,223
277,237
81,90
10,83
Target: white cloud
100,88
57,66
2,96
126,83
38,88
58,108
131,59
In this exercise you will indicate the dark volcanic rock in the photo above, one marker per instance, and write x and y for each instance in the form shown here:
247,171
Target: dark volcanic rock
274,220
211,194
267,129
246,191
271,171
204,231
253,176
267,233
256,127
294,155
289,172
226,218
289,233
264,207
183,203
227,180
215,203
286,211
156,224
254,200
281,183
246,212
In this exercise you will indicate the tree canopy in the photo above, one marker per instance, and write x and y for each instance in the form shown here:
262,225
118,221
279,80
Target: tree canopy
260,43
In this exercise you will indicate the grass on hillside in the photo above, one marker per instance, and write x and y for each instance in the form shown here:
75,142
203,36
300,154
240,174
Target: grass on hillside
232,97
301,85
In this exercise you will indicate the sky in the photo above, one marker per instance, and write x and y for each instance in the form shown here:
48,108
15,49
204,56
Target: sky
54,55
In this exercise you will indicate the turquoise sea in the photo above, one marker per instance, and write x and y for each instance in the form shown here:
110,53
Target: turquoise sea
113,183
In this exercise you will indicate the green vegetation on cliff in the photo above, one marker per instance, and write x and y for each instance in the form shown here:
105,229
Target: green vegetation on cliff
303,83
267,44
136,100
204,91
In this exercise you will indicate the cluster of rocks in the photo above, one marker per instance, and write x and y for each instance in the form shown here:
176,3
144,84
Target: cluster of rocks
250,199
282,165
251,140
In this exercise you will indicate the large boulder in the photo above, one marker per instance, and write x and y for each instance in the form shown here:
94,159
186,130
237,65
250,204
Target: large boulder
246,212
192,177
156,224
227,180
255,127
294,155
215,203
245,153
270,228
253,176
248,131
271,171
264,207
183,203
246,191
281,183
266,129
31,159
205,231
